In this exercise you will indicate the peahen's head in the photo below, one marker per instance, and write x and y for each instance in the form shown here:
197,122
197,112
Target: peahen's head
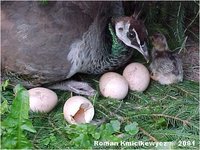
132,32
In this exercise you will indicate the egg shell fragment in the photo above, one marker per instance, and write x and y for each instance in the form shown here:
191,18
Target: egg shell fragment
42,99
113,85
78,109
137,76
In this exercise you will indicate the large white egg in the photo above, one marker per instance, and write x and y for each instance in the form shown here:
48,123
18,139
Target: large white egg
137,76
113,85
42,99
78,109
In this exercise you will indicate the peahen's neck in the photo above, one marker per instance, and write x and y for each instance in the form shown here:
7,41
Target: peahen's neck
107,53
117,47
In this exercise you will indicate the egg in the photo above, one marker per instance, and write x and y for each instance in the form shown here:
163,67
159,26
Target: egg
137,76
77,110
113,85
42,99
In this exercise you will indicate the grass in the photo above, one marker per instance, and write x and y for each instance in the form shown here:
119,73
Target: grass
163,113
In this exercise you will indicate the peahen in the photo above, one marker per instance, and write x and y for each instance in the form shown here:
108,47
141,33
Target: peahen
46,44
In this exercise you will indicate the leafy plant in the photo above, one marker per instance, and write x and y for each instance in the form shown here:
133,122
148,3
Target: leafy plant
17,121
4,107
84,135
6,96
132,128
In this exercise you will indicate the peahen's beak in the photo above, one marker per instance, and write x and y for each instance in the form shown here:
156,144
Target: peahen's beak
145,52
142,49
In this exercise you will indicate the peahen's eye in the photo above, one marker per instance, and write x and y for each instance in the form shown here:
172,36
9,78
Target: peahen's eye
131,34
120,29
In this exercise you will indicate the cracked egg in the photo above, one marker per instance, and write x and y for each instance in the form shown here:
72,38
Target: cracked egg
77,110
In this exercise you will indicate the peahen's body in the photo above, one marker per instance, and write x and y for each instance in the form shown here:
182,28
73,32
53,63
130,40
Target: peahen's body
44,44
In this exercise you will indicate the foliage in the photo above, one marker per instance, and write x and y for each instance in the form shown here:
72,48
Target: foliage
84,135
17,121
160,114
163,113
131,128
176,20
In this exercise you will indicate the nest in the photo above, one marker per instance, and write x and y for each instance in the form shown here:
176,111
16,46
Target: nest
190,59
